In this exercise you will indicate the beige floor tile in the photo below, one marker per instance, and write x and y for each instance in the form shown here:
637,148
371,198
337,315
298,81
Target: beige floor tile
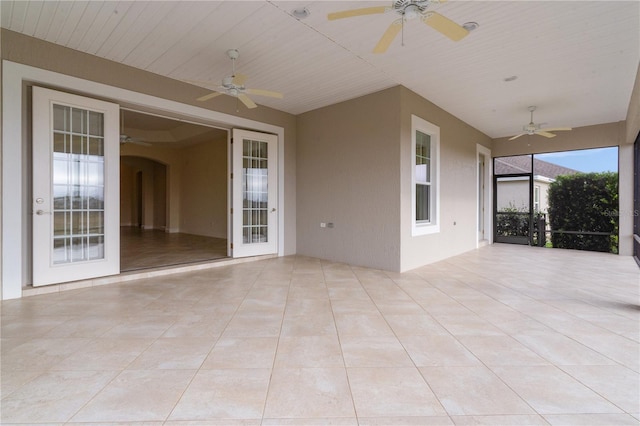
576,311
309,352
362,325
326,421
515,420
53,396
437,351
37,353
86,326
405,421
392,392
203,326
242,352
254,325
354,307
551,391
319,324
17,326
348,293
591,420
141,327
614,347
454,386
617,384
186,353
137,395
467,325
562,350
213,422
308,307
414,325
309,393
104,354
374,351
224,394
10,381
501,350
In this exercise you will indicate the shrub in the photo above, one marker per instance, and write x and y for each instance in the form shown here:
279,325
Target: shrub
585,202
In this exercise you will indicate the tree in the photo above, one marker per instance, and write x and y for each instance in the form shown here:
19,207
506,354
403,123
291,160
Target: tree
585,202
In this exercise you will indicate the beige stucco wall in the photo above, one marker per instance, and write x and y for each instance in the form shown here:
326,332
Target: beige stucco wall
458,184
203,209
356,173
348,174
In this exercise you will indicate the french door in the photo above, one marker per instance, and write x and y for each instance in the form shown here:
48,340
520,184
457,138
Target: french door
76,188
254,193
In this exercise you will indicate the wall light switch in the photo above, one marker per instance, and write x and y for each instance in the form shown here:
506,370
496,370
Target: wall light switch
323,225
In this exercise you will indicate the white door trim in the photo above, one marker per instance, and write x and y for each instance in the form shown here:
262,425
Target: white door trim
488,200
15,206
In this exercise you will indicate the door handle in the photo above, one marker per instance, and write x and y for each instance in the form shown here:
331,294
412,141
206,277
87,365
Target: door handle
273,210
41,212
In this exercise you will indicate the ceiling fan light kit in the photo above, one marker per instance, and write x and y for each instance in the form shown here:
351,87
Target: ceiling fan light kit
535,129
409,10
234,85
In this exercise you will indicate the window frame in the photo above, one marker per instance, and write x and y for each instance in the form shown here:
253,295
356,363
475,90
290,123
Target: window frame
433,225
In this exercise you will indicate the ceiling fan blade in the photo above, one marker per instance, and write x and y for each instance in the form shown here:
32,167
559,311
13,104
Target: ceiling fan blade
240,79
517,136
356,12
247,101
267,93
388,37
557,129
209,96
545,134
445,26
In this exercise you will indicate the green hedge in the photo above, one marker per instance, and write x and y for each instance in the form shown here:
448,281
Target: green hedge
585,202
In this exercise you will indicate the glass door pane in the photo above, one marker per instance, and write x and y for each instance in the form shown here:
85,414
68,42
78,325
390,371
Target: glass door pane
78,185
255,192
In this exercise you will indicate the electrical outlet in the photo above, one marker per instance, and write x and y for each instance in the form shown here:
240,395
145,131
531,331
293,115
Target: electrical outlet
330,225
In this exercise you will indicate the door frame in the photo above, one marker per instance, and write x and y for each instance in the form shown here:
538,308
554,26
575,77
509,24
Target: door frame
16,248
487,195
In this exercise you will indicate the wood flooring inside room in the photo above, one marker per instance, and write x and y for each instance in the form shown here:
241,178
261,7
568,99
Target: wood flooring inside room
152,248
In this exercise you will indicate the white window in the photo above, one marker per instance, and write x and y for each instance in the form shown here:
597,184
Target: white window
536,199
425,173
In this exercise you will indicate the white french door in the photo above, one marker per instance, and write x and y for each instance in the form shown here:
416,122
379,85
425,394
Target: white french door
76,187
254,214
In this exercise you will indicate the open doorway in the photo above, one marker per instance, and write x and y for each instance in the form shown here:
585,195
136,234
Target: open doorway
173,192
562,199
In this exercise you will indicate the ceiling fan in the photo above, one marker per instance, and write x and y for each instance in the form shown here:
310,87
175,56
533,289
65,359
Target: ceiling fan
534,129
408,10
233,85
125,139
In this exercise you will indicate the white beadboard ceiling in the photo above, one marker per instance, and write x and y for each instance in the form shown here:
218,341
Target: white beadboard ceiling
575,60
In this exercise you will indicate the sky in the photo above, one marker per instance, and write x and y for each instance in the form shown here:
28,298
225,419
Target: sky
586,160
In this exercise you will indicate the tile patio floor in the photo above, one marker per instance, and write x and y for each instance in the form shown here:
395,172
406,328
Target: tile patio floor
504,335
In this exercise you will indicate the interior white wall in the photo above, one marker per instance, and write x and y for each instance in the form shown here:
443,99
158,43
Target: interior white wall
15,247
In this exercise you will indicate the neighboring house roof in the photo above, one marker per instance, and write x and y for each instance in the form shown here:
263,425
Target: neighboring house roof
522,164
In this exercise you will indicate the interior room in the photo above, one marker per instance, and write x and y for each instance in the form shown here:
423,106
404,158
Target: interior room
337,158
173,192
